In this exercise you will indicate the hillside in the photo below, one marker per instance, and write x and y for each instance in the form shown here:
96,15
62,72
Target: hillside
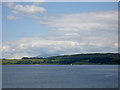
94,58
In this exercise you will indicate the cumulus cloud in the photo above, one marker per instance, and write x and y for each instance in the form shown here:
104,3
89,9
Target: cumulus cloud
72,33
26,10
11,17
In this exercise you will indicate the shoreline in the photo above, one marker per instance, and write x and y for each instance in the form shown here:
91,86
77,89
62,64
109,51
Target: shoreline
60,64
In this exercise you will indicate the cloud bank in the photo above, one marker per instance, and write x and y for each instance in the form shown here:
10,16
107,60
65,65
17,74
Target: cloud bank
71,34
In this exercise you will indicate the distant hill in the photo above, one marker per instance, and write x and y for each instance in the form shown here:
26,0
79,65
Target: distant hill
91,58
94,58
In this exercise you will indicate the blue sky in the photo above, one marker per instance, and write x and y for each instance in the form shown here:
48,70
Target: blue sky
27,26
51,25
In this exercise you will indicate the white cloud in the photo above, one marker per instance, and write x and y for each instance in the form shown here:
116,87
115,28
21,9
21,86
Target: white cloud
72,33
10,17
82,21
55,45
26,10
36,46
94,28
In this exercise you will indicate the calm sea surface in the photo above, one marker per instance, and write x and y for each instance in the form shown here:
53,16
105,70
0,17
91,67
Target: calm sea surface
60,76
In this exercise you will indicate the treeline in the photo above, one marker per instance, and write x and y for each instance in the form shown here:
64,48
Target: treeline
95,58
32,58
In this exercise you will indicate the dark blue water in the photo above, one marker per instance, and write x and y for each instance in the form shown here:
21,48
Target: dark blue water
60,76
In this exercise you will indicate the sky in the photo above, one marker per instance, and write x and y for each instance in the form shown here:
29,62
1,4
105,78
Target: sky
58,28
